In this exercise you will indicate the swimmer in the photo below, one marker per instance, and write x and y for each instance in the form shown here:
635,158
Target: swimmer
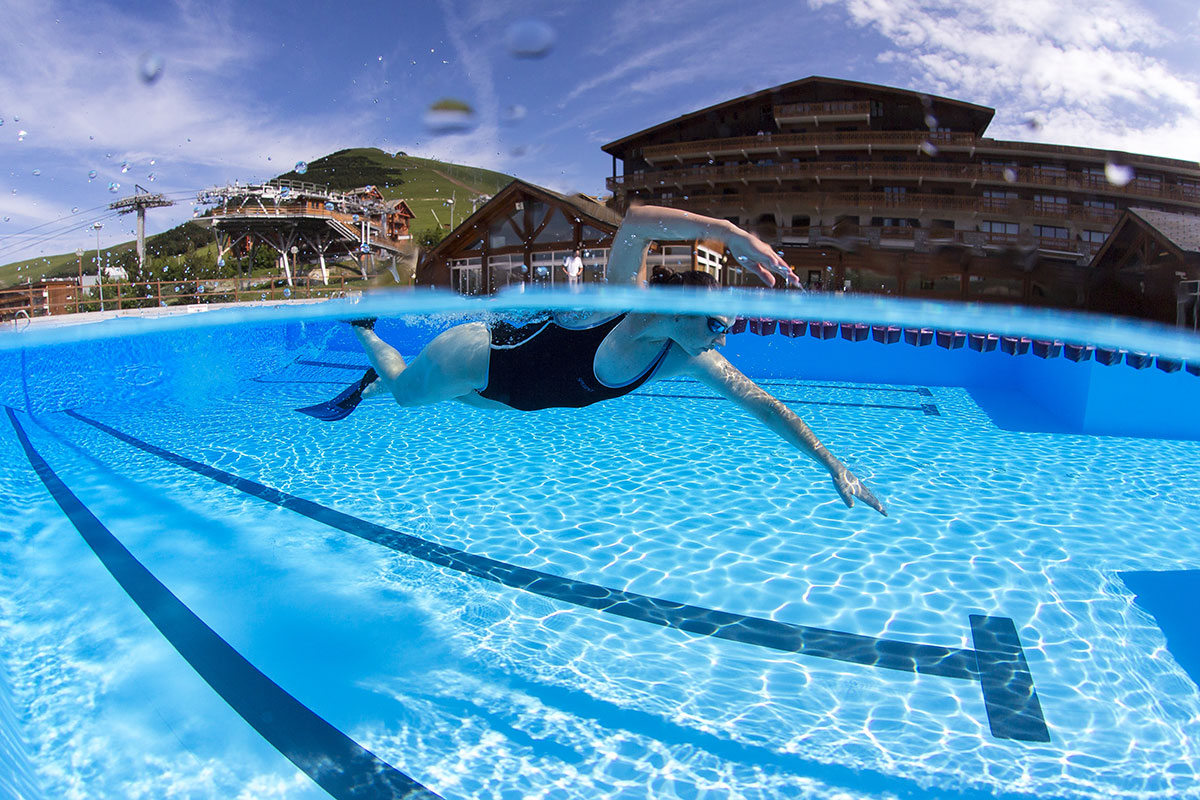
572,360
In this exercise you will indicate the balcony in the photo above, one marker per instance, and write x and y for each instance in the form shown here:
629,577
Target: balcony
962,173
816,113
807,142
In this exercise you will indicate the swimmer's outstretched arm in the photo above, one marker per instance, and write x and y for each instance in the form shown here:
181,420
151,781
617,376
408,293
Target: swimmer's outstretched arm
645,224
713,370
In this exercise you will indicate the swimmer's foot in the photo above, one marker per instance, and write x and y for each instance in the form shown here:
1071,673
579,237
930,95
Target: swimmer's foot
341,406
367,323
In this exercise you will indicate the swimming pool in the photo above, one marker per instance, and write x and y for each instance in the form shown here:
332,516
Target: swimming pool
652,597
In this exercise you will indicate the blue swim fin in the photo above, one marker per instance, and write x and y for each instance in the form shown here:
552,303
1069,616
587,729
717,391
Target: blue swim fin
341,406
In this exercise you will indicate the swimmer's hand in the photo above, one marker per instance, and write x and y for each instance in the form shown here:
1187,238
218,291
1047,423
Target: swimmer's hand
849,487
756,255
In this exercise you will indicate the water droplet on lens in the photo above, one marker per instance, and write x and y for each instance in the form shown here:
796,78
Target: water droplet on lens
91,174
1010,175
529,38
364,248
930,121
6,219
21,135
37,172
449,115
356,217
929,148
75,210
1118,174
301,167
151,177
124,167
1,121
220,262
514,113
328,205
114,187
1033,123
287,292
150,68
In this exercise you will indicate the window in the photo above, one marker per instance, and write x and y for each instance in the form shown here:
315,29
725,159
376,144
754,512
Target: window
1049,232
993,226
1050,199
1100,204
894,191
1189,188
1000,193
1095,237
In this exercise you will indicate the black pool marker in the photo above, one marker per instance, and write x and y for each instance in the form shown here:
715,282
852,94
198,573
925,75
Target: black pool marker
997,662
337,763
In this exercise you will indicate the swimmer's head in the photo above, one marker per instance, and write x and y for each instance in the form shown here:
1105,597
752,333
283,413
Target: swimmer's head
694,334
662,276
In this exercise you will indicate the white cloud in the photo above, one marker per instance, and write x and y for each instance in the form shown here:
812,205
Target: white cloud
1087,69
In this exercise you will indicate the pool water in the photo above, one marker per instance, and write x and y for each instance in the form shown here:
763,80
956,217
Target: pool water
652,597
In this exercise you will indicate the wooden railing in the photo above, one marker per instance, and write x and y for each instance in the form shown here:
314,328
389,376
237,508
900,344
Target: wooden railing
881,202
38,301
897,140
884,170
837,108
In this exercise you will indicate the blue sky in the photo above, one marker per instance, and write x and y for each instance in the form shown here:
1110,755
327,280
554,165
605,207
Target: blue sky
248,89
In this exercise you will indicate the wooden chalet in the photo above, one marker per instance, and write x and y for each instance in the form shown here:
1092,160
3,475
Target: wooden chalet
1150,268
525,233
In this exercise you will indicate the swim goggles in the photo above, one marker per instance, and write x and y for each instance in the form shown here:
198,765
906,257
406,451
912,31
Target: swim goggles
716,326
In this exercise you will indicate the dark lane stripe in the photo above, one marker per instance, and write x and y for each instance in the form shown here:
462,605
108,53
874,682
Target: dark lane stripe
889,654
922,408
336,762
989,663
331,364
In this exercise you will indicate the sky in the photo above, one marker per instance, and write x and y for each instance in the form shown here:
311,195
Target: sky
180,95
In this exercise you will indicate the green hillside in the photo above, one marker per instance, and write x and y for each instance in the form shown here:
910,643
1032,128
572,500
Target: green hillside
423,183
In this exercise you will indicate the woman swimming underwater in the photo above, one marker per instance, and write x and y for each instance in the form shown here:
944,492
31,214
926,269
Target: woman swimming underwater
573,360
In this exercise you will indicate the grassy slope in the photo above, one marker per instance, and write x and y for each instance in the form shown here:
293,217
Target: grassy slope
423,183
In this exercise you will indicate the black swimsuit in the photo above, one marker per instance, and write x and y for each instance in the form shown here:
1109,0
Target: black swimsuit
544,365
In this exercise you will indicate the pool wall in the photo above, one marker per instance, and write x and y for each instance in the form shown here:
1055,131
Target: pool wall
1019,392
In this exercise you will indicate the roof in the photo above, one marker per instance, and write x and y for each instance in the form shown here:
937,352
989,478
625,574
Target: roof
1181,230
589,210
983,114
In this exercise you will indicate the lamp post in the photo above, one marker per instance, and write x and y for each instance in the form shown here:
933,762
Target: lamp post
79,289
99,278
295,263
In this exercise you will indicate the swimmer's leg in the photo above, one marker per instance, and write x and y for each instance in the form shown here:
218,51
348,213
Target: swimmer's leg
454,364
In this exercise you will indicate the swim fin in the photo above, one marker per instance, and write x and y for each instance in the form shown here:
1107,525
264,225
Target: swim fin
341,406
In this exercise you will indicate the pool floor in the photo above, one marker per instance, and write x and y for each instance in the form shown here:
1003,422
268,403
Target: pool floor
474,687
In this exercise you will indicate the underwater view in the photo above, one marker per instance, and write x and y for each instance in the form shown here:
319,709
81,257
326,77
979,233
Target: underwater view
537,400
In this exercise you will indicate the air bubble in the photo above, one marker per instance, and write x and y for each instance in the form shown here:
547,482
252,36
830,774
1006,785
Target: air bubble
449,116
114,187
1118,174
529,38
150,68
301,167
929,148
